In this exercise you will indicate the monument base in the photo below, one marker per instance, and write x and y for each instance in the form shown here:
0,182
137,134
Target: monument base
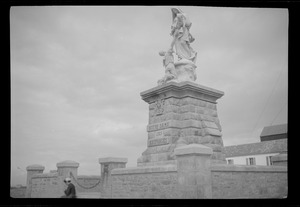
181,114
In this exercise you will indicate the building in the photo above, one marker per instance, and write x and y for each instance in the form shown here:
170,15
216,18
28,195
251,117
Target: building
273,142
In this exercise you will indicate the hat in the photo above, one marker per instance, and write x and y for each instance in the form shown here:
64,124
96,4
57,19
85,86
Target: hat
68,180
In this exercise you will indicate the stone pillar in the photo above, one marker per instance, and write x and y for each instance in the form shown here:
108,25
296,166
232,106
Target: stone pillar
181,114
106,166
194,173
65,168
32,170
280,160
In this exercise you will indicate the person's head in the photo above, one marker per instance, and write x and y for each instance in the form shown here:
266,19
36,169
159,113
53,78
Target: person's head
67,181
175,10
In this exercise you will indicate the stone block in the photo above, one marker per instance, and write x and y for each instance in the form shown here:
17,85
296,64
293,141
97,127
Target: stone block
160,163
172,108
191,123
215,147
200,103
175,101
188,116
67,168
193,149
203,117
209,124
159,141
193,166
192,139
218,155
186,101
210,112
206,139
213,132
67,163
211,106
112,160
35,168
200,110
218,123
217,140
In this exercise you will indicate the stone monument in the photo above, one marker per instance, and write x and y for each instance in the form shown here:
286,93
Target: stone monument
184,68
181,112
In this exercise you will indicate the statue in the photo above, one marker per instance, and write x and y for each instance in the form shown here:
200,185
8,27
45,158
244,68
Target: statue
180,30
168,63
184,68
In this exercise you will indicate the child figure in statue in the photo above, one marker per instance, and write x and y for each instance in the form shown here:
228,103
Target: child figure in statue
168,63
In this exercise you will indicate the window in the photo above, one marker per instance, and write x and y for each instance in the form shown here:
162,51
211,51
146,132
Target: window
269,160
230,162
250,161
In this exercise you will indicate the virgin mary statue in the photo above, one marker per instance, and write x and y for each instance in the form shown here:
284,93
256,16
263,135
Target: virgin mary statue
180,30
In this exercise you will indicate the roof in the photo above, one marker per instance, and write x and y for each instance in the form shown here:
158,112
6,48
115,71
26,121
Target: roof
266,147
274,130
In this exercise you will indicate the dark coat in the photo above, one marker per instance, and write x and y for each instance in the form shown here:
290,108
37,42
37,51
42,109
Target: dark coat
70,192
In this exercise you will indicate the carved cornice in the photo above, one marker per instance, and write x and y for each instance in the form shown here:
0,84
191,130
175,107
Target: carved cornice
182,89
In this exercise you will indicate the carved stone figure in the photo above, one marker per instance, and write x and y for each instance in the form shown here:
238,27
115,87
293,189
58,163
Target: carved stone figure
159,106
184,68
168,63
180,30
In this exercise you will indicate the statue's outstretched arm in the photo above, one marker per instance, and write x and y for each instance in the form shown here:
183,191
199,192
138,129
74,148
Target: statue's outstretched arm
175,36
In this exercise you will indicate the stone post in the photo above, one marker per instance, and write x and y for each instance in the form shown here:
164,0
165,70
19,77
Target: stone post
280,160
194,173
106,166
32,170
65,168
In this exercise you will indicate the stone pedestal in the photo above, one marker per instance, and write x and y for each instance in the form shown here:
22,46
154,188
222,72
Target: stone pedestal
194,173
181,114
32,170
65,168
107,165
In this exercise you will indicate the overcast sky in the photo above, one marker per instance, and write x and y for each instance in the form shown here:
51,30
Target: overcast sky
77,74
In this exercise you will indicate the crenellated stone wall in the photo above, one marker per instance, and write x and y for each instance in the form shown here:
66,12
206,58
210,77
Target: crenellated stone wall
191,176
51,185
194,177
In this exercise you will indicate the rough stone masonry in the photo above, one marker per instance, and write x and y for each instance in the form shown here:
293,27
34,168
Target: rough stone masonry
181,114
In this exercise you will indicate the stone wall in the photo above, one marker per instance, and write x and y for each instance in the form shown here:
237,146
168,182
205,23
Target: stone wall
145,182
50,185
166,181
89,183
192,176
46,186
241,181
